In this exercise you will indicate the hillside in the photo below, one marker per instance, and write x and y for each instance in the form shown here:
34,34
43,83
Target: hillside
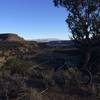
42,71
12,45
10,37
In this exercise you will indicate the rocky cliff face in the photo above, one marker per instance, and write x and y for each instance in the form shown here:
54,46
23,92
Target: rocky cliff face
11,45
10,37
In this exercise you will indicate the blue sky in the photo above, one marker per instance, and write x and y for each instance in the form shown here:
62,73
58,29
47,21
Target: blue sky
33,19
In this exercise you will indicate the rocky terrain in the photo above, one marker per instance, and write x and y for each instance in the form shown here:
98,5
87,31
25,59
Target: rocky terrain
10,37
31,70
11,45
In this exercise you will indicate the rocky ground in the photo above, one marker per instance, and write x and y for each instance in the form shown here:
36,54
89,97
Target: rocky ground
34,71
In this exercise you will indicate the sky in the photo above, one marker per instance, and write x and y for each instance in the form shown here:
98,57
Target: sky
33,19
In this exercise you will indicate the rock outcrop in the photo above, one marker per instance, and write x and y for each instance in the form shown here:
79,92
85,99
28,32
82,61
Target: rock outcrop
10,37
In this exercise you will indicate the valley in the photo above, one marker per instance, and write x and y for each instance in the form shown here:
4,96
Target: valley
31,70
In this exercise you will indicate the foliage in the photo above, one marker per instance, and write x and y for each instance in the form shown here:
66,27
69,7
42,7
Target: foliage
83,18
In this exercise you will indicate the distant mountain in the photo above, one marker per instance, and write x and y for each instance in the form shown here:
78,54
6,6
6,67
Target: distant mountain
61,43
46,40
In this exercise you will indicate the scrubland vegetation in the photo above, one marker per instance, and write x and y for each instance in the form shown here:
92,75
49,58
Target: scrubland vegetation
44,75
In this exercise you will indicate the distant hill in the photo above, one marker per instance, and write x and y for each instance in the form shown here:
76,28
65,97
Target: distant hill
46,40
13,41
6,38
61,43
11,37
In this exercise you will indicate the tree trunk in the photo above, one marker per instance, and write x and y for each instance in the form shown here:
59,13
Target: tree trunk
87,60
